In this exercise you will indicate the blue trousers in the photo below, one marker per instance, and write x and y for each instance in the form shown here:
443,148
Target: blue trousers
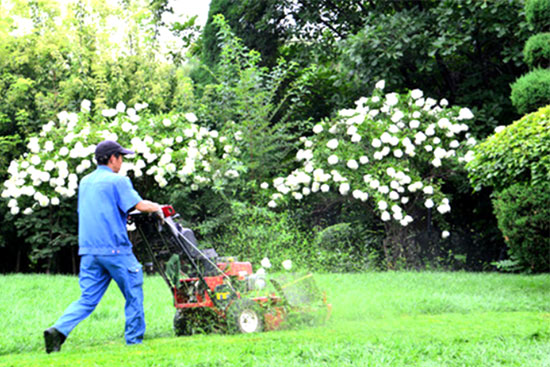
96,272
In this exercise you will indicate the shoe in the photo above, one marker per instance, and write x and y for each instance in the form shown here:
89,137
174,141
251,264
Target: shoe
53,340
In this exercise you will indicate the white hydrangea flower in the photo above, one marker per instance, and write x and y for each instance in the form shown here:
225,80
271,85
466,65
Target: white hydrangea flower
428,190
272,204
317,129
414,124
332,160
356,138
429,203
397,116
191,117
287,264
344,188
266,263
436,162
398,216
380,84
332,144
430,131
392,99
376,143
393,129
325,188
364,159
109,112
352,164
445,234
385,216
444,208
416,93
465,114
85,105
351,130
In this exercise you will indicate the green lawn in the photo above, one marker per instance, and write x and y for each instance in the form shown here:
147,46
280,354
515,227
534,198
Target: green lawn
379,319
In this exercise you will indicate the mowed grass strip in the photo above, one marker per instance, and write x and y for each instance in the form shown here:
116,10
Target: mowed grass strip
379,319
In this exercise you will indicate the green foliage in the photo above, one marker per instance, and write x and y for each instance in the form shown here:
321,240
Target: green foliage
253,104
440,47
49,231
523,213
345,247
531,91
536,52
251,233
520,153
249,21
536,13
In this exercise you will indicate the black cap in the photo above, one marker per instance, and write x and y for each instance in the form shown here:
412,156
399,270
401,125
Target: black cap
108,147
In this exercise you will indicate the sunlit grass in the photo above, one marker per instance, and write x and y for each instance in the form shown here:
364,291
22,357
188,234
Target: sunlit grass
379,319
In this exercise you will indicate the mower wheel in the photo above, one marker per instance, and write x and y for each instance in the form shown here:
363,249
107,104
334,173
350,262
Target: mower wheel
244,316
182,324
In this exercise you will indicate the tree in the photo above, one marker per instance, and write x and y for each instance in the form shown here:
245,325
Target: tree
532,90
250,20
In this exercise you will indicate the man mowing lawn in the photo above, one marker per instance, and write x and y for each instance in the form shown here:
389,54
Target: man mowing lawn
104,200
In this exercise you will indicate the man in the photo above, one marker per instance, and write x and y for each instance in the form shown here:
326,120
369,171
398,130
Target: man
104,200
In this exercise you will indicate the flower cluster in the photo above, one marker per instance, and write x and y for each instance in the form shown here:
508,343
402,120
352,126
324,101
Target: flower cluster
390,148
170,147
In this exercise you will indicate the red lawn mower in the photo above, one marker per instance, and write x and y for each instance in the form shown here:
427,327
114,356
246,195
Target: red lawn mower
220,294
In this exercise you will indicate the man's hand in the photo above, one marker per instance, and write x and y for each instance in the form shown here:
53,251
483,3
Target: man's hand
159,213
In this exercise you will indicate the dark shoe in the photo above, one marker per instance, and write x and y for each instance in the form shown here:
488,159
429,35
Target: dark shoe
53,339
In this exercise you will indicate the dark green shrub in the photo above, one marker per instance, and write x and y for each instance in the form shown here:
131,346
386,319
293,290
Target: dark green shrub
536,52
523,214
531,91
344,247
537,14
519,153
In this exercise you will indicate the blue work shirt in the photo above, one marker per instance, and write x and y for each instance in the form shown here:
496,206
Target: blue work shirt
104,200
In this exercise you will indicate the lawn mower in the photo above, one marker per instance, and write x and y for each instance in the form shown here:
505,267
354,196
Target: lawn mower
220,294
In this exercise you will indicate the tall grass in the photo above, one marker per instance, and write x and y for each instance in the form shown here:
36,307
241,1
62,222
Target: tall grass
379,319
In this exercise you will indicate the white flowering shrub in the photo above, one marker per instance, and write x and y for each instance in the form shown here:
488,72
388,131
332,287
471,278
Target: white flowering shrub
394,149
169,148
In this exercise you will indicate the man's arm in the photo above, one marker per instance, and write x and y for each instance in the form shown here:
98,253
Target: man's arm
147,206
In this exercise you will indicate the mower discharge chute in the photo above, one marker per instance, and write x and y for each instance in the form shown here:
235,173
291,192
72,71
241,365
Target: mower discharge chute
215,294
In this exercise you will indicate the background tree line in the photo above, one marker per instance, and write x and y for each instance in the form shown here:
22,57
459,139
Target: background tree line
271,69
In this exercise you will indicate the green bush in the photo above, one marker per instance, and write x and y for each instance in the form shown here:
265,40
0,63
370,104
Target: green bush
536,52
251,233
519,153
523,214
531,91
344,247
537,14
